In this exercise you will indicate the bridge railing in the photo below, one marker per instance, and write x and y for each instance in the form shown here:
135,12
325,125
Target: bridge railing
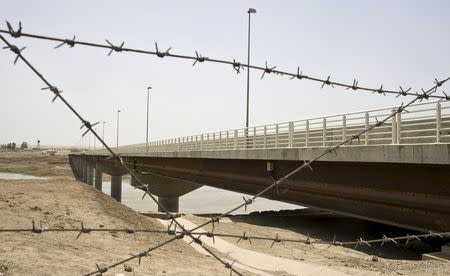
422,123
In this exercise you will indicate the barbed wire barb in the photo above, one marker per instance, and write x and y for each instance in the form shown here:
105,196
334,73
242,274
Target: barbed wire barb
245,238
237,66
354,85
12,32
230,266
55,91
327,82
70,42
199,58
267,70
37,230
162,54
15,50
114,48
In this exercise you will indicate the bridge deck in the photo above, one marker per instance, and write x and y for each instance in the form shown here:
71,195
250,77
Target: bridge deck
397,174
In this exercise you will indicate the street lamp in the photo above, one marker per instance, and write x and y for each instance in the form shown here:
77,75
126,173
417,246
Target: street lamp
250,11
146,135
117,140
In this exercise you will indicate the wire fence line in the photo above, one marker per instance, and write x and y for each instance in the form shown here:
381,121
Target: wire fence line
425,95
244,237
237,66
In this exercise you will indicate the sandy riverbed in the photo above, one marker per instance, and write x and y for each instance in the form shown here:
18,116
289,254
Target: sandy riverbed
60,201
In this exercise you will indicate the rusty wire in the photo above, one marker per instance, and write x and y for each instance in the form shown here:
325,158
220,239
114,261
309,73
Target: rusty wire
89,128
425,95
237,66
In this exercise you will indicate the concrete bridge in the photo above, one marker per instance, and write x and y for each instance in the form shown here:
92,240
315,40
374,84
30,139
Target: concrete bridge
398,173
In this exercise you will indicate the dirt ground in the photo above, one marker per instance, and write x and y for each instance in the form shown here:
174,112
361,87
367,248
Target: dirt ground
61,202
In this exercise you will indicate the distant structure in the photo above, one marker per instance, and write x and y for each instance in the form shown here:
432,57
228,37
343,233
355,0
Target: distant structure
39,144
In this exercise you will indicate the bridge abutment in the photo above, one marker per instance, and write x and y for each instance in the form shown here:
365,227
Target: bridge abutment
167,189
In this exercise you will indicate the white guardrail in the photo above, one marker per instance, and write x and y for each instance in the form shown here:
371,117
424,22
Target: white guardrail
423,123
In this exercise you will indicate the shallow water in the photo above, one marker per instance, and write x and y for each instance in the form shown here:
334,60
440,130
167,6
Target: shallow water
203,200
18,176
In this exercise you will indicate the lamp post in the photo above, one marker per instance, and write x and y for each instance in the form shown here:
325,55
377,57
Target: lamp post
117,139
250,11
146,135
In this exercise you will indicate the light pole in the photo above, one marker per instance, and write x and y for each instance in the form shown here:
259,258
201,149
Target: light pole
117,140
146,135
103,134
250,11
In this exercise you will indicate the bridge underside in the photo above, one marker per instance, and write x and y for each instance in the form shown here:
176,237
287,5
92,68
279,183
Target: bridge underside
416,196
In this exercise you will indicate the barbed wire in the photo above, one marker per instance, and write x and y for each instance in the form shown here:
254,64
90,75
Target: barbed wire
80,230
244,237
425,95
90,128
237,66
308,240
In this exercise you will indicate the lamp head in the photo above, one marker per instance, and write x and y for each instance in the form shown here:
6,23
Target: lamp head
251,10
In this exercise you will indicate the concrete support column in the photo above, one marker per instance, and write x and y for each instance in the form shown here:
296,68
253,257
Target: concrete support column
170,203
84,170
76,168
90,175
98,178
167,189
116,187
116,171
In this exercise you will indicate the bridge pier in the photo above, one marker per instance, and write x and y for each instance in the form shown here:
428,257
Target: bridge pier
74,165
90,174
84,176
116,172
88,171
98,182
116,187
167,189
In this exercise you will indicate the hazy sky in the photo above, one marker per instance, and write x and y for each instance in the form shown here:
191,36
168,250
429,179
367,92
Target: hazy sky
378,42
